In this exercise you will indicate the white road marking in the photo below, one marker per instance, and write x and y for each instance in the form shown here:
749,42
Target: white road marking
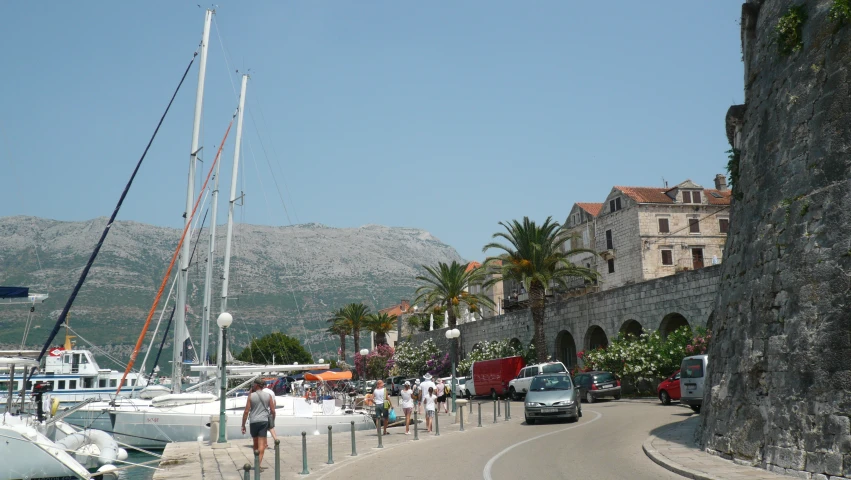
489,466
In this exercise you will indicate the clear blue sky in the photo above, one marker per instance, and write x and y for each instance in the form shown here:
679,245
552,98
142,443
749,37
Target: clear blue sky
447,116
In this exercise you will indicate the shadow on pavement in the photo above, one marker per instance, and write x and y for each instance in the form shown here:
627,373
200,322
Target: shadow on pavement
680,432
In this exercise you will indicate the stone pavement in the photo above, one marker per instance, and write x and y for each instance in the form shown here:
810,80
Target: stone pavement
674,448
197,460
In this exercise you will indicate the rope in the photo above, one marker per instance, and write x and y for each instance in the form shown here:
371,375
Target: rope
170,267
64,315
27,327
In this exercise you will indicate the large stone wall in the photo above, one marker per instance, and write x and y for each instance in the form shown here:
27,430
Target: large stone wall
780,361
570,325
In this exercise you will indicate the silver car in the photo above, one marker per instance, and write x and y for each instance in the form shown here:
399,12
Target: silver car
552,395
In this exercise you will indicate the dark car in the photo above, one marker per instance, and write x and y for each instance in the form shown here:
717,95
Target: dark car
669,389
594,385
394,384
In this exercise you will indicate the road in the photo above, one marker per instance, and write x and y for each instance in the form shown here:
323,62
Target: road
604,444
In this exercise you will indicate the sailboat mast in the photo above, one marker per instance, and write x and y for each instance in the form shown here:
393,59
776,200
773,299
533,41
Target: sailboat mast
183,272
208,280
233,198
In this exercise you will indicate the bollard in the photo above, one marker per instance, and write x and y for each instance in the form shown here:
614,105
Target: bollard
304,470
461,411
498,408
471,406
354,449
378,430
480,413
330,448
416,425
436,424
256,464
277,460
247,472
495,403
506,409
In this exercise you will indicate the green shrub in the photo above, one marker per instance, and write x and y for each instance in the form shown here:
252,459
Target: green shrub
788,30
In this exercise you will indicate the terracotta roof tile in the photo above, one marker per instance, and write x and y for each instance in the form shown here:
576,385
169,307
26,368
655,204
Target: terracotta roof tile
394,310
724,200
472,265
646,194
592,208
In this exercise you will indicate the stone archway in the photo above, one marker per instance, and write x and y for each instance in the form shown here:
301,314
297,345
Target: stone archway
476,347
596,338
671,322
516,344
631,328
566,349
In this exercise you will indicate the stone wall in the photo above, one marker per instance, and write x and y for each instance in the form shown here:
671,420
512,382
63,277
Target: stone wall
780,361
570,325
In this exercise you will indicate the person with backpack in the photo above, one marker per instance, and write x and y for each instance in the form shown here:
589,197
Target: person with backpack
258,410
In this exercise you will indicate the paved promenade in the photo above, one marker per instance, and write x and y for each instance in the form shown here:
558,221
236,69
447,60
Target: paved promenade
197,460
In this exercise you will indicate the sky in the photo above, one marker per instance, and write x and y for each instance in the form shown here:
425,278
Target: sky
444,116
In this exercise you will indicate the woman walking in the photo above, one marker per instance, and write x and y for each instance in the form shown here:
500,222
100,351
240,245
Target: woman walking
440,391
382,407
429,400
406,403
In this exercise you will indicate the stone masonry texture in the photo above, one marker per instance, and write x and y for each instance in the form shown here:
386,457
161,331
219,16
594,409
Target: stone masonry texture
568,324
780,359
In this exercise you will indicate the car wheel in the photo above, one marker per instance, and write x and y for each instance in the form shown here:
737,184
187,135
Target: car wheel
513,394
579,413
664,397
529,422
695,408
589,398
494,396
618,396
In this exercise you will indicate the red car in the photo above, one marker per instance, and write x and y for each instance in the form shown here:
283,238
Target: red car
669,389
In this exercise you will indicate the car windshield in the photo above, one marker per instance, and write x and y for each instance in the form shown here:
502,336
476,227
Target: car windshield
604,377
554,368
550,382
463,381
692,368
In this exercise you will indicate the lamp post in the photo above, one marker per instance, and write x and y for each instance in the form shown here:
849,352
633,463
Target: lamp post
363,352
452,335
224,321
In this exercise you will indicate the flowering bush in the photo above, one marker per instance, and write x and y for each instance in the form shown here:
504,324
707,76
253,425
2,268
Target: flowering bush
411,359
377,364
488,351
439,365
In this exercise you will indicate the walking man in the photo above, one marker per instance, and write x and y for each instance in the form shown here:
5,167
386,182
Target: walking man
258,410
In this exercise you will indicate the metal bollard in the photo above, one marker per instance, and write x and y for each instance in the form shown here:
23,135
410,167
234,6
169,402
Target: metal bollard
277,460
256,464
416,425
247,472
506,409
480,413
471,406
495,403
354,449
378,429
498,408
461,411
330,448
304,470
436,424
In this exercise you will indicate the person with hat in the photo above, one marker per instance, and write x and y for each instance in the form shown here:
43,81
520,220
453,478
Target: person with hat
425,385
259,408
418,397
406,403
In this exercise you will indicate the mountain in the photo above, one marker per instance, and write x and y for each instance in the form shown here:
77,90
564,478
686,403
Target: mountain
286,279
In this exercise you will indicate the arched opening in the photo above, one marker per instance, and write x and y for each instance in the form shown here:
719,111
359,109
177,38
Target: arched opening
671,323
631,328
596,338
566,349
516,344
476,347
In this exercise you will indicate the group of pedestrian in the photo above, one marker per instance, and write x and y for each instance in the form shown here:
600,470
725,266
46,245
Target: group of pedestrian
424,396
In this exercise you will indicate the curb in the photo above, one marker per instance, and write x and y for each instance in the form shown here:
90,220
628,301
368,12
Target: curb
670,465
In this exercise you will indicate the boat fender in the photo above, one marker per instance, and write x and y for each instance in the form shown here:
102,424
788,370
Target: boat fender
54,406
106,473
122,454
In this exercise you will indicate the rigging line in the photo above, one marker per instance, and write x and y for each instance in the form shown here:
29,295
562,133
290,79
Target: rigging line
269,164
162,343
225,55
283,256
275,153
63,316
171,266
97,349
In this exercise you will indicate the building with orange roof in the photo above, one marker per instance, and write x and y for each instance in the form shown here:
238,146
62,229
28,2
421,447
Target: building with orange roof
642,233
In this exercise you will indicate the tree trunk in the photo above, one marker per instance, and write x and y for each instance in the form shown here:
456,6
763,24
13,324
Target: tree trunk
356,336
537,303
342,347
453,352
380,339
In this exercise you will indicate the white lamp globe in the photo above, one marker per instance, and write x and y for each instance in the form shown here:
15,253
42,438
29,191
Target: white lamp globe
456,333
224,320
448,334
321,360
364,351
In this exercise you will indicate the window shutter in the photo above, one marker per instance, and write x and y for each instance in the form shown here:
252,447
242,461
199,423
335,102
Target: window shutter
663,225
686,197
695,197
724,225
693,225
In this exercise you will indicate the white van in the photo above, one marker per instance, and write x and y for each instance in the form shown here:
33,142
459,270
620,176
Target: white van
519,386
692,380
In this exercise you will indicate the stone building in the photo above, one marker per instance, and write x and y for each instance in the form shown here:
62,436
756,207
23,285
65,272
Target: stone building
642,233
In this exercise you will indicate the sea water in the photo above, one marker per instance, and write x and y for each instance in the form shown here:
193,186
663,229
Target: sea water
138,473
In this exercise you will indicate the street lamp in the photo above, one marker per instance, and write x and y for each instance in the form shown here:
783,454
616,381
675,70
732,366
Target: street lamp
363,352
224,321
452,335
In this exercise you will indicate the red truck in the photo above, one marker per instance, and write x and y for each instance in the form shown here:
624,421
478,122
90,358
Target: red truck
491,377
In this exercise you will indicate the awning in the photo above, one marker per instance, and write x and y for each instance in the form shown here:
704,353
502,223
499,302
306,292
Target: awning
14,292
328,376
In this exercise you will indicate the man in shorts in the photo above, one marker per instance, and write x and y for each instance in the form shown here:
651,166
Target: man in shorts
259,408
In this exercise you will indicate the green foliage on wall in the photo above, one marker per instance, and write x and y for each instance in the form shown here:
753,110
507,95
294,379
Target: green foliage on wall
788,30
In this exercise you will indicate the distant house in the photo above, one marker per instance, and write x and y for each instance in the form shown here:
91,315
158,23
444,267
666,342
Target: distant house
642,233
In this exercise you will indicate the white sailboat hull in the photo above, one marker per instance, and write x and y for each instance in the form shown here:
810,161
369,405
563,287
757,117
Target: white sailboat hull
28,454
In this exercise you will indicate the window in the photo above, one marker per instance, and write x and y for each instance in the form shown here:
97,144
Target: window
61,385
686,197
72,384
614,205
667,257
724,224
611,265
88,382
695,197
610,244
692,368
102,383
618,203
113,382
586,239
693,225
663,225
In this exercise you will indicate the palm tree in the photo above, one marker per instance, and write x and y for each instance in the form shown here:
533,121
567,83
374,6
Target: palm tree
535,258
447,286
380,323
354,314
340,326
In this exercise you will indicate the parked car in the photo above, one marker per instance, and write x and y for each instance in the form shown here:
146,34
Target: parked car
518,386
552,395
491,377
594,385
669,389
460,391
394,384
692,376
